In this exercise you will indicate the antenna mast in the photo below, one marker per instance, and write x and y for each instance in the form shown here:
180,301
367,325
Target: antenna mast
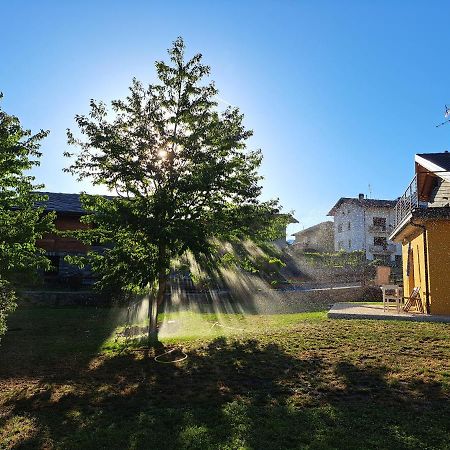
446,114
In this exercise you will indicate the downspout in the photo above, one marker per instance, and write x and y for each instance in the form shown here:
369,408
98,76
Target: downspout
425,252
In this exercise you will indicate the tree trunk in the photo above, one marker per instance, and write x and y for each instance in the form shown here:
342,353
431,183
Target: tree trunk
156,300
153,319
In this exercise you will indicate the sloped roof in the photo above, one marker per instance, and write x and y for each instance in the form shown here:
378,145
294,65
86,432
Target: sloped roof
364,203
435,164
61,202
64,203
71,204
318,226
442,160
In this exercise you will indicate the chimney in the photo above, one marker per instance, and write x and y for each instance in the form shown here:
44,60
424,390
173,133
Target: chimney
361,196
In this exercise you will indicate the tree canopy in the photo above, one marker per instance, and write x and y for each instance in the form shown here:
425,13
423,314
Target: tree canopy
21,221
180,169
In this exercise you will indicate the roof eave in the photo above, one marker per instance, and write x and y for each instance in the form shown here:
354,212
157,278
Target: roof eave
422,215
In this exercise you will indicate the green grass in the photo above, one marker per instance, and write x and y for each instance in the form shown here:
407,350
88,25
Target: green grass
288,381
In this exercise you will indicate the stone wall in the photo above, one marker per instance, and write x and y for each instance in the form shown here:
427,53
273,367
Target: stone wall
62,298
259,302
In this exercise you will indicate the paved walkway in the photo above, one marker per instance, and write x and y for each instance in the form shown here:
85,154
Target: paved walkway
376,312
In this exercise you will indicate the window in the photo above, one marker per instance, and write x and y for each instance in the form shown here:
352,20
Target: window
340,228
381,241
349,244
348,226
54,261
380,222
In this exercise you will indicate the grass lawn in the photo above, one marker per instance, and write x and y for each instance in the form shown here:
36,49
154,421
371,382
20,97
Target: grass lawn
288,381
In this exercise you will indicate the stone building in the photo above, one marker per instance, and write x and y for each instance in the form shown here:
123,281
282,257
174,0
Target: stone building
318,238
365,224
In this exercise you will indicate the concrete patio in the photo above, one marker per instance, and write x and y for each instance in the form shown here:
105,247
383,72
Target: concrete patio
376,312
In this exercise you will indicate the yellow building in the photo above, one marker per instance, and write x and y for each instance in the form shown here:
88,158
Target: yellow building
423,227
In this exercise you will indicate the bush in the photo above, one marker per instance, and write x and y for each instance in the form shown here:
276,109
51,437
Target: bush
7,304
370,294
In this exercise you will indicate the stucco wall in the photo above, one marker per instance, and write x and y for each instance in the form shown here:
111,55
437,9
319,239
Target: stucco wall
439,266
416,277
438,241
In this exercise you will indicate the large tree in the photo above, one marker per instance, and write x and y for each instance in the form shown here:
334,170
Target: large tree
181,171
21,221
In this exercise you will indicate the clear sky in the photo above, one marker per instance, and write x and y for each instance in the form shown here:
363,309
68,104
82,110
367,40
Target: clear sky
340,94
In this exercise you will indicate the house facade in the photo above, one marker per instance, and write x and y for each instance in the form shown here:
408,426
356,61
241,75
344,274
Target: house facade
318,238
422,228
365,224
68,211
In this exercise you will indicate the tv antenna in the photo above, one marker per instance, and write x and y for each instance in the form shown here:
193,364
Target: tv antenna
446,115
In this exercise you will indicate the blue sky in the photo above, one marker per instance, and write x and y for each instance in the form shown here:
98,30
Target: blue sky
340,95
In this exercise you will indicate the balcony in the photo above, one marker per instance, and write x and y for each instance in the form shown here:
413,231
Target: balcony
378,229
382,249
407,203
425,199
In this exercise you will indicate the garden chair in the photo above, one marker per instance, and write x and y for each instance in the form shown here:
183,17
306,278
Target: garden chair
392,293
413,300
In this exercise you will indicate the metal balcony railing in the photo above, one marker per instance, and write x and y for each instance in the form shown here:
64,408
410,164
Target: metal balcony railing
382,249
406,203
378,228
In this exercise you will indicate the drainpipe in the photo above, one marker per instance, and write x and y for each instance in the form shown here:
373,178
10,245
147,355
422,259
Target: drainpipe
425,252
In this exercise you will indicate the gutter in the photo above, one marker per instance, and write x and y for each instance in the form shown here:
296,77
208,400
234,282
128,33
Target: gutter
425,252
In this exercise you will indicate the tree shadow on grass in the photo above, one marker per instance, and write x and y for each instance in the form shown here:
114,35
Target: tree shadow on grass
47,342
233,394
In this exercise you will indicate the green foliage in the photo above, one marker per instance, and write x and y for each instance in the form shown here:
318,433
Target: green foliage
7,303
238,255
337,259
181,170
21,222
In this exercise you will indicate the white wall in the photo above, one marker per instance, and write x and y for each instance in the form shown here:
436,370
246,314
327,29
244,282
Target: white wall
359,237
346,214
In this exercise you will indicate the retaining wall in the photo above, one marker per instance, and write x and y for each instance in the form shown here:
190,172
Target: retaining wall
262,301
62,298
